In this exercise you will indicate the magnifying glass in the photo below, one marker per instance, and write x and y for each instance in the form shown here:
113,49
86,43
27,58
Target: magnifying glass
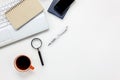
36,43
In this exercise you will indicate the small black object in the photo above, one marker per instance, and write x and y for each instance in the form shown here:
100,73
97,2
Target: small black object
62,5
37,46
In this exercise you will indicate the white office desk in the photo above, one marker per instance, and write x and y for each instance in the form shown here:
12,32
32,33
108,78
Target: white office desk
90,50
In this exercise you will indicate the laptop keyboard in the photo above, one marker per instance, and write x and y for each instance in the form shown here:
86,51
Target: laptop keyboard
4,8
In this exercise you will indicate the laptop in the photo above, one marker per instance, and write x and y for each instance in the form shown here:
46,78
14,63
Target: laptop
9,35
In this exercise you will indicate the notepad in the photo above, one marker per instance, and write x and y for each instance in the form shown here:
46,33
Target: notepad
25,11
4,7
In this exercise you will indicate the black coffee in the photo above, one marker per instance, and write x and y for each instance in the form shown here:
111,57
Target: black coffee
23,62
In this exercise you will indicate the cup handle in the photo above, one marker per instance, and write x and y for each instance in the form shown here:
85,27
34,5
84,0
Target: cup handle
31,67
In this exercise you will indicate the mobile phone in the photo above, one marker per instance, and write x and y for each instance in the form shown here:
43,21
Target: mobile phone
62,5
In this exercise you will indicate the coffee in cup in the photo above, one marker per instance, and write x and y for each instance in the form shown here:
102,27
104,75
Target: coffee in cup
23,63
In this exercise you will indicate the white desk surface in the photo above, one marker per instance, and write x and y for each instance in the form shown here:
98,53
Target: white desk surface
90,50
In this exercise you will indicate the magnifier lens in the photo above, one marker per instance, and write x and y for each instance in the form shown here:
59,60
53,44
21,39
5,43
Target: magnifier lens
36,43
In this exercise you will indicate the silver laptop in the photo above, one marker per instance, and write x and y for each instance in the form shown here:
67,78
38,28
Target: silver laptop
9,35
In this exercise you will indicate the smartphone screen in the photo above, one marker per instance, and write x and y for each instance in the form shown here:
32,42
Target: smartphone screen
62,5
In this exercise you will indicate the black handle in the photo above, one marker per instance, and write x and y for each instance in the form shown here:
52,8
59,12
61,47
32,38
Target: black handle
40,57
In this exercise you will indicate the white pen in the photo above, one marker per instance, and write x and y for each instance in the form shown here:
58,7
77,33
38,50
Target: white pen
54,39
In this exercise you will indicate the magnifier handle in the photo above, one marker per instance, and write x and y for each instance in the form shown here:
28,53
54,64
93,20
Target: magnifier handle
41,58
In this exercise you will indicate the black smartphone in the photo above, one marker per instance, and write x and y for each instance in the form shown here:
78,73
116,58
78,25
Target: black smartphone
62,5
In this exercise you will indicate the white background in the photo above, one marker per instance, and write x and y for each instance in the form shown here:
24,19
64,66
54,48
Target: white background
90,50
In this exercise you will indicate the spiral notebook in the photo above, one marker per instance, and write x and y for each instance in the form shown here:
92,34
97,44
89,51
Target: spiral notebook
4,7
22,13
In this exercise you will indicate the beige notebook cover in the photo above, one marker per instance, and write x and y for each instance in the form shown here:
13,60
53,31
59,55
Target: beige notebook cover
23,12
